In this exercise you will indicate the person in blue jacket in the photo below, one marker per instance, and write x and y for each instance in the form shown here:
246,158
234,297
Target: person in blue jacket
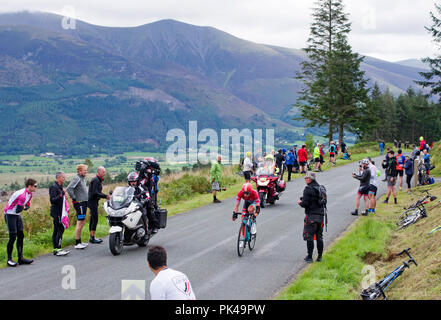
289,161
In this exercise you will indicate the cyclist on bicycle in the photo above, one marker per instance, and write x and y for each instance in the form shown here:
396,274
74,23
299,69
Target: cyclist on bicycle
251,198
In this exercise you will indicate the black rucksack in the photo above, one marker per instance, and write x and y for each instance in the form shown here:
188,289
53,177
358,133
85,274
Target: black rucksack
323,198
323,201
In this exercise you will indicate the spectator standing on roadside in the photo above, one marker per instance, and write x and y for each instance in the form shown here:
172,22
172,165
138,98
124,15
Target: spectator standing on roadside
19,201
314,220
414,152
77,190
391,174
289,161
332,153
373,188
426,159
381,147
422,144
409,169
57,198
247,167
216,176
280,159
296,158
322,155
303,159
343,147
168,284
400,167
364,176
385,161
94,196
317,158
399,144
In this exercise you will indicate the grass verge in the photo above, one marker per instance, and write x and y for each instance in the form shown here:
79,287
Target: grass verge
374,241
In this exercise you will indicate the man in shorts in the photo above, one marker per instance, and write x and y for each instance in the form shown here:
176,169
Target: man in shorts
401,160
364,176
332,152
391,174
216,176
373,188
77,190
303,159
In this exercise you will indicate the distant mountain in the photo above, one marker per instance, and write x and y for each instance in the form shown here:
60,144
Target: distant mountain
414,63
98,81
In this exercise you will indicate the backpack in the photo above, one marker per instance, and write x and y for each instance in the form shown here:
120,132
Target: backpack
323,201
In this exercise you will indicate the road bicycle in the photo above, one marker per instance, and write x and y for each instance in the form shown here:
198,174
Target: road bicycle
247,233
376,290
415,212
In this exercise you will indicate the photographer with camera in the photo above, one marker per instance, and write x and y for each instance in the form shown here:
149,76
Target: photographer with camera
144,197
364,176
149,171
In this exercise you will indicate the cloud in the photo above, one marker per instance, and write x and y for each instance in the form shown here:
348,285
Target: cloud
391,30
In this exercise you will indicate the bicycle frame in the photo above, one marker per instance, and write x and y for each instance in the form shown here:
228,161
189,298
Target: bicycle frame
378,289
247,220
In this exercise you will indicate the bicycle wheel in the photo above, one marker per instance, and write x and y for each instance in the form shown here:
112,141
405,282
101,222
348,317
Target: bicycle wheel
252,241
241,240
409,220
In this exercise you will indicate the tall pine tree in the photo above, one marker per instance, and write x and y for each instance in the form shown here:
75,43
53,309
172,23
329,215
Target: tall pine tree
329,21
432,77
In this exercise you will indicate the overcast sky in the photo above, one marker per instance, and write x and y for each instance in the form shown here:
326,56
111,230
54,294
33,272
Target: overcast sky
387,29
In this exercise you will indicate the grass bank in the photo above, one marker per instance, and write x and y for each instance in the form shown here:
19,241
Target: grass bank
374,241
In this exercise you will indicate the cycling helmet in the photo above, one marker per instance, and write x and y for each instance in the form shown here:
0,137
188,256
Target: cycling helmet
133,177
247,187
365,161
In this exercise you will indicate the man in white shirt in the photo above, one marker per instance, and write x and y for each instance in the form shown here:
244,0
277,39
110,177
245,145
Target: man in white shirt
168,284
373,186
247,167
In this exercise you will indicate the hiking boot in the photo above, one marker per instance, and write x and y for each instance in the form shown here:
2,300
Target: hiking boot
308,259
354,213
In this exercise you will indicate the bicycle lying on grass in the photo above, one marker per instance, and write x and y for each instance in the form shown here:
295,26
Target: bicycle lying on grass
247,233
376,290
415,212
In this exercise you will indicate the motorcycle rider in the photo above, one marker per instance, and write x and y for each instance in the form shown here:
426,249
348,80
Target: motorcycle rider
251,198
148,210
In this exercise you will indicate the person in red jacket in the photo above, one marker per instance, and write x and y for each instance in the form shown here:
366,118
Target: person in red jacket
422,144
303,159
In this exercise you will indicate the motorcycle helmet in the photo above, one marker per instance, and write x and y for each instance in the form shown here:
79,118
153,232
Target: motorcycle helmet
132,177
150,159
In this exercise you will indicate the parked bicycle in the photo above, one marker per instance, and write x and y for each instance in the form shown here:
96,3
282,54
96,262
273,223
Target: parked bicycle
377,290
247,233
415,212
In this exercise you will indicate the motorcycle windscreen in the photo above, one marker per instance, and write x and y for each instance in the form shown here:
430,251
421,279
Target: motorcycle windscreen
122,197
265,168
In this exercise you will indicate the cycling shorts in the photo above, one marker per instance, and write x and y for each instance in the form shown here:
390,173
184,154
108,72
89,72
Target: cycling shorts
247,204
81,209
363,191
400,173
373,190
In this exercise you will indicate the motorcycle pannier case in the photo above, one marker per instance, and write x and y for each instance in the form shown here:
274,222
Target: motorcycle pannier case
161,214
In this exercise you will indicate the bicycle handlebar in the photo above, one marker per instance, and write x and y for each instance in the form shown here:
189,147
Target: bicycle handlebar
407,252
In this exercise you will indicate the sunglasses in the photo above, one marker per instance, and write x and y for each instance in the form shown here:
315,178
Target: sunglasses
246,193
35,185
